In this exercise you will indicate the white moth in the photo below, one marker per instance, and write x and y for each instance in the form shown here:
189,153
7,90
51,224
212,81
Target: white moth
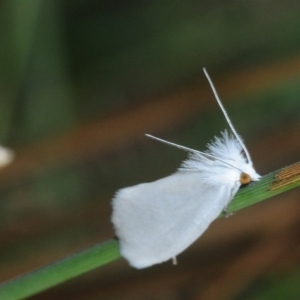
156,221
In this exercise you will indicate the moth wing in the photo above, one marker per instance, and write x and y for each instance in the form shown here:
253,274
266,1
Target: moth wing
156,221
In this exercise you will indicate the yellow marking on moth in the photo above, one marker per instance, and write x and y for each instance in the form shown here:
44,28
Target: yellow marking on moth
286,177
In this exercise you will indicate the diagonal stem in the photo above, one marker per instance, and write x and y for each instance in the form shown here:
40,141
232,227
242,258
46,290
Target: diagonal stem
79,263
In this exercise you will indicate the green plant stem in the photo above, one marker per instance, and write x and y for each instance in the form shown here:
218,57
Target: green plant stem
60,271
101,254
261,190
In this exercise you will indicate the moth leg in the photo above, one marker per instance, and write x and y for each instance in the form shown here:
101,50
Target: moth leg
226,213
174,260
225,209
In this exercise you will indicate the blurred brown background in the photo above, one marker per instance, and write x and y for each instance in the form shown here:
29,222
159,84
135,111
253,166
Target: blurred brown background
80,84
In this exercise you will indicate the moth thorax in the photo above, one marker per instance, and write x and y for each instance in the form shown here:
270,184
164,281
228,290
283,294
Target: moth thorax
245,178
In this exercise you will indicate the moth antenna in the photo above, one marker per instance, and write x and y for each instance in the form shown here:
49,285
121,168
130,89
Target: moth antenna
175,145
227,117
191,150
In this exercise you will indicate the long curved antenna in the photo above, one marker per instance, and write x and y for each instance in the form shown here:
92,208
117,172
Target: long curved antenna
227,117
191,150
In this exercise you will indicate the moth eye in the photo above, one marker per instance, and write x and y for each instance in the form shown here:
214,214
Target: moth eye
245,178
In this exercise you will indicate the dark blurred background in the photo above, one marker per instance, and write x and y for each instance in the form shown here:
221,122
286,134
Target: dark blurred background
80,84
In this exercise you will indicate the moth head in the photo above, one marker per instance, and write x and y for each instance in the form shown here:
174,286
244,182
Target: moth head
245,178
248,174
